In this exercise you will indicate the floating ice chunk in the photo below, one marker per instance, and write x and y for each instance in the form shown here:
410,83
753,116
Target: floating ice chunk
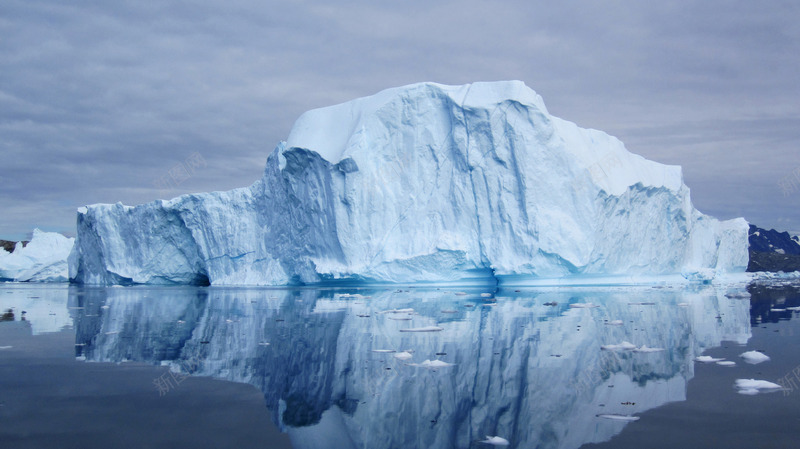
433,364
6,347
726,363
405,355
489,304
263,343
393,311
384,351
614,323
486,295
753,386
618,417
754,357
644,348
707,359
794,309
586,305
624,346
104,307
496,441
423,329
777,310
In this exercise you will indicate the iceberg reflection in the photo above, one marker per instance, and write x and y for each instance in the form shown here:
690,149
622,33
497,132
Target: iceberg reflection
337,370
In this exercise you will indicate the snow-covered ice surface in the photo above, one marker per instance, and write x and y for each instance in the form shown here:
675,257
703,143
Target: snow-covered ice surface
424,183
533,374
43,259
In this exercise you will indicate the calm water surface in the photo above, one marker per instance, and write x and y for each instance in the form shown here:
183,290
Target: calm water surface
345,368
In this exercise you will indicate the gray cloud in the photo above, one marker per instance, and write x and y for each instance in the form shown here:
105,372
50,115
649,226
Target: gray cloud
98,100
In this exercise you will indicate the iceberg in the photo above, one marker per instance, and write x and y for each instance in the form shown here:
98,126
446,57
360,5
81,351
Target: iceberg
424,183
44,259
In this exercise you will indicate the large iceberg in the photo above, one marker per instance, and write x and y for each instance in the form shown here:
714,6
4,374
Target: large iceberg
44,259
423,183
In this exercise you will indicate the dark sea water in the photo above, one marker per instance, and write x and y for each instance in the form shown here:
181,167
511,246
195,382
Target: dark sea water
344,368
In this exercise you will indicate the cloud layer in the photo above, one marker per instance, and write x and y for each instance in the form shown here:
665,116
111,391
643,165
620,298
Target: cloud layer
99,100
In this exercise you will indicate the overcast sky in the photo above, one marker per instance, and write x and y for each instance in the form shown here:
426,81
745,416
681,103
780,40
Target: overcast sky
99,100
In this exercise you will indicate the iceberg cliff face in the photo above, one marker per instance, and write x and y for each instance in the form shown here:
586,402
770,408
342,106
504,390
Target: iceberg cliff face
422,183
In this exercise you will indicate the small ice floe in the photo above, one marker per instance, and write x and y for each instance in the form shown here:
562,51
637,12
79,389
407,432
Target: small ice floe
583,305
112,333
794,309
401,318
624,346
423,329
263,343
80,358
614,323
754,357
105,307
6,347
384,351
495,441
405,355
753,386
777,310
449,311
707,359
618,417
489,304
181,321
683,304
395,311
433,364
726,363
645,349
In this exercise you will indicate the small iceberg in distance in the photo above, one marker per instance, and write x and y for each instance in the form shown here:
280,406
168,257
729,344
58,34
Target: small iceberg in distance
707,359
616,417
753,386
423,329
624,346
754,357
496,441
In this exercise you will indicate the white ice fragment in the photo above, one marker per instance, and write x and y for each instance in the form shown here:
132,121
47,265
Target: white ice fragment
405,355
754,357
615,323
586,305
6,347
384,351
777,310
707,359
753,386
423,329
432,364
726,363
645,349
624,346
486,295
618,417
263,343
496,441
395,311
683,304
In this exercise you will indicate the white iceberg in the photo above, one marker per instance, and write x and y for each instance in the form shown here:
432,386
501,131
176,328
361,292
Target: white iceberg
405,355
624,346
43,259
753,386
616,417
424,183
423,329
707,359
496,441
432,364
754,357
